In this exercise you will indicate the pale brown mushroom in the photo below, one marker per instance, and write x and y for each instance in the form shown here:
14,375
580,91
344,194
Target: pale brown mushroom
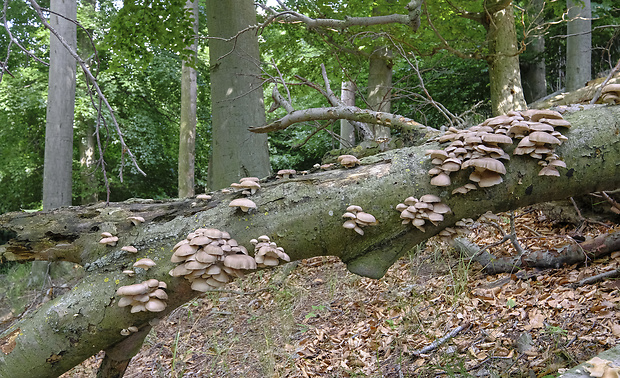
144,263
243,203
348,161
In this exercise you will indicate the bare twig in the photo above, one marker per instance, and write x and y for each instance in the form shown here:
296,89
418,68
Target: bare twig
599,277
437,343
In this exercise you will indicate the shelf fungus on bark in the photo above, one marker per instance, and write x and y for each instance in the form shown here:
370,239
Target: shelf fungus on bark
148,295
357,219
267,252
204,197
481,147
417,211
209,259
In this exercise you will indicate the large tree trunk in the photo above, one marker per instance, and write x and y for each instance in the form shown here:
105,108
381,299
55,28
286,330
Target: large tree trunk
578,44
380,88
187,132
533,72
86,125
58,157
503,60
347,131
303,215
60,105
237,94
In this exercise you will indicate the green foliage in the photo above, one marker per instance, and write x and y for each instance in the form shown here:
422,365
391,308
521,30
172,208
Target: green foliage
143,26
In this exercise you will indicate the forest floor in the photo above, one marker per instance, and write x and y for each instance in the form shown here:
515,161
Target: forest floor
317,319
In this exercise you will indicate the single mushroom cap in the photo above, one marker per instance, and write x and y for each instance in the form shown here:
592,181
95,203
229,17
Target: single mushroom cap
240,262
144,263
136,220
243,203
348,161
286,173
130,248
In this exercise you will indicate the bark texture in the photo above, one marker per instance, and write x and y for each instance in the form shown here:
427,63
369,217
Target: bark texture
578,44
237,94
187,130
60,105
303,215
380,88
347,131
503,60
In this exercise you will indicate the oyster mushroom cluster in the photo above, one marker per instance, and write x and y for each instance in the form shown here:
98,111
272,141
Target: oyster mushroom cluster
148,295
357,219
480,147
267,253
210,259
108,239
417,211
248,185
610,94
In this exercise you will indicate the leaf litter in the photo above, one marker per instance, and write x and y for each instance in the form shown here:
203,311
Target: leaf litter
433,314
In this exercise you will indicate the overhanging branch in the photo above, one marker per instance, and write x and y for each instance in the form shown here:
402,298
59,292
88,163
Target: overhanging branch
350,113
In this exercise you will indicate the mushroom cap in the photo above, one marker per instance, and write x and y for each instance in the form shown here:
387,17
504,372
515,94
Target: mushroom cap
441,179
489,178
349,224
549,171
255,179
144,263
204,197
488,164
131,290
366,218
348,160
430,198
286,172
243,203
496,138
240,262
542,137
155,305
130,248
354,208
109,240
136,220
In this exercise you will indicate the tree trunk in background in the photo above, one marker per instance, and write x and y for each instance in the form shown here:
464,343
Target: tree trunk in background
86,125
187,132
60,107
347,131
503,60
533,73
578,44
58,160
236,93
380,88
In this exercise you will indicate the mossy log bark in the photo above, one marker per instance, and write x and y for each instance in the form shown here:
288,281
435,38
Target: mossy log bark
303,215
